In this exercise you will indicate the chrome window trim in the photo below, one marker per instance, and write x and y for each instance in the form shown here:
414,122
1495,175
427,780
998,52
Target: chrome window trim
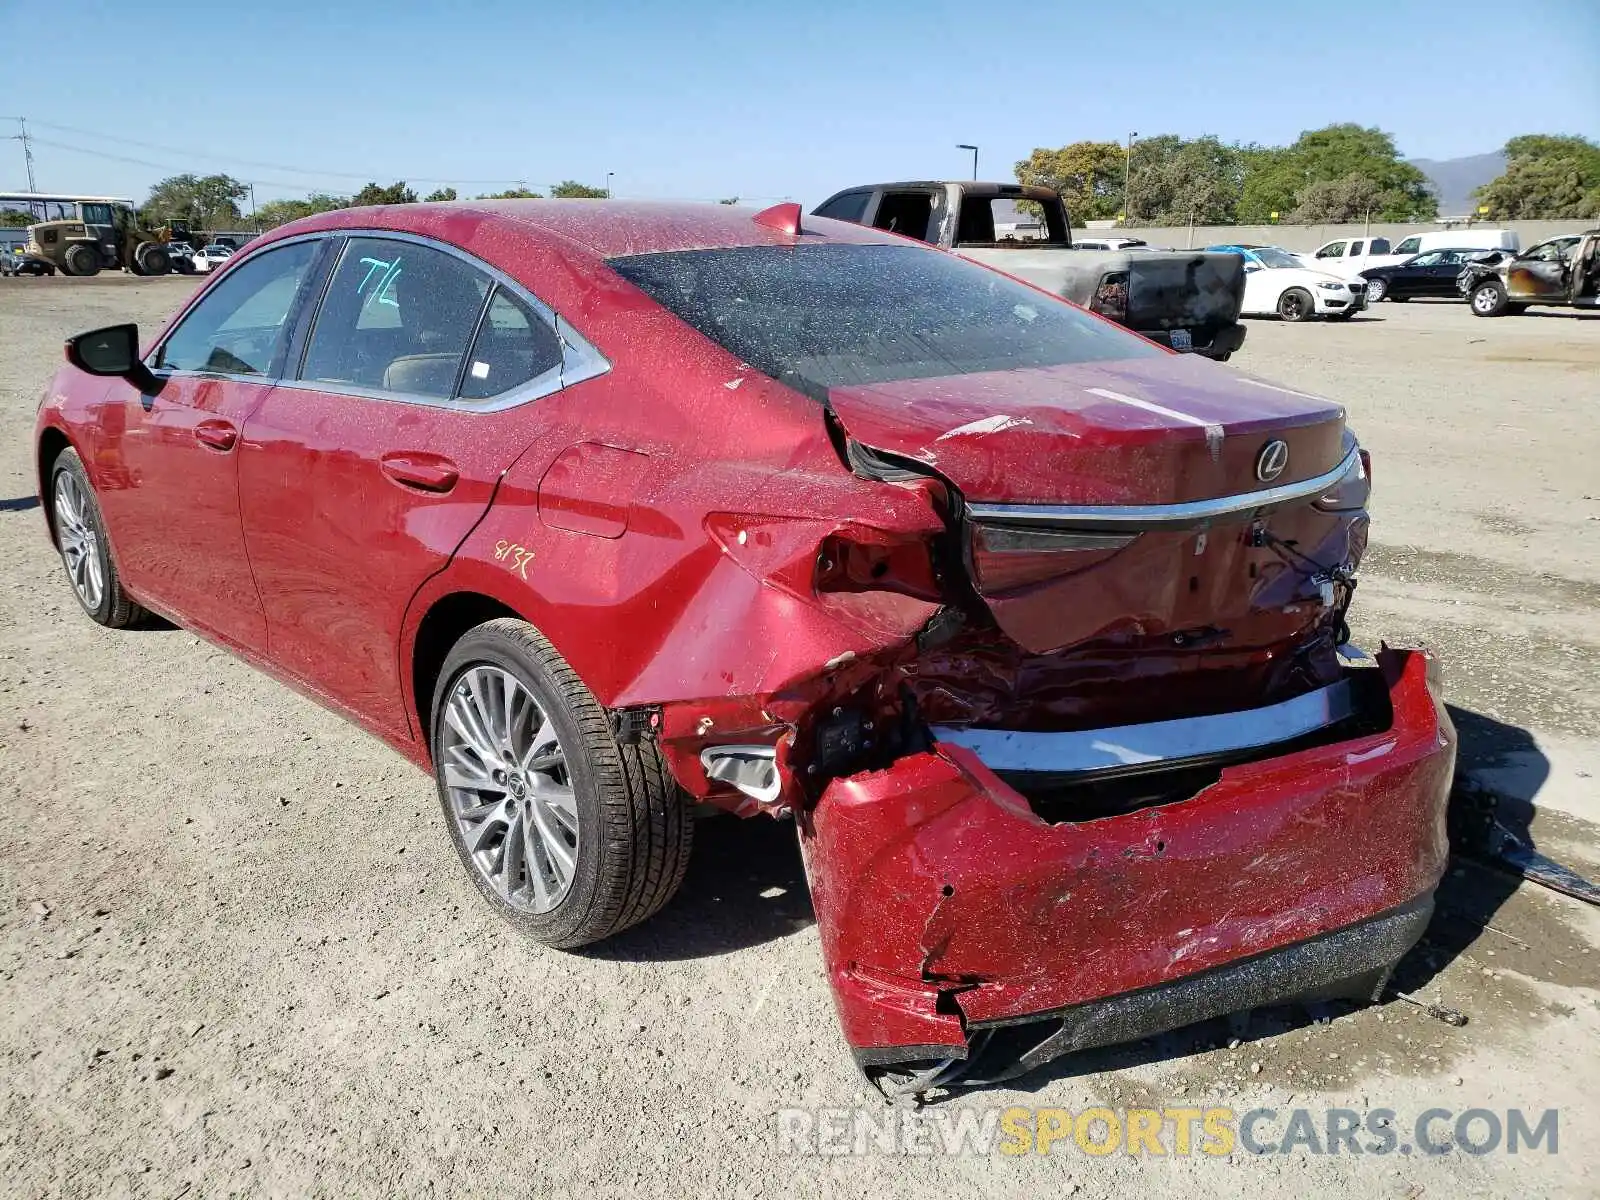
580,360
1189,514
1156,745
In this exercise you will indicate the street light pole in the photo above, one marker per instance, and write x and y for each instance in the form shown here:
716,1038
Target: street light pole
609,174
1127,181
974,149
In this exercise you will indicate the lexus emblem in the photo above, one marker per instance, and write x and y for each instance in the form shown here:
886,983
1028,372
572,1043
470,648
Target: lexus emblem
1274,457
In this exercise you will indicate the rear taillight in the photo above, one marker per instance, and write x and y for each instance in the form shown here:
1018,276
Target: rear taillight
1111,296
1352,490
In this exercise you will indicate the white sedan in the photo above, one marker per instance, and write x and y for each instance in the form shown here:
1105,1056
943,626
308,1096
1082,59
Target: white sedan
211,256
1276,282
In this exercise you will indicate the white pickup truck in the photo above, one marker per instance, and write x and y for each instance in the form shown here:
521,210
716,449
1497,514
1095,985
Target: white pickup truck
1348,257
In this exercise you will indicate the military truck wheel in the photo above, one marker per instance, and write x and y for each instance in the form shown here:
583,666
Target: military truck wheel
153,258
1489,299
82,260
1296,305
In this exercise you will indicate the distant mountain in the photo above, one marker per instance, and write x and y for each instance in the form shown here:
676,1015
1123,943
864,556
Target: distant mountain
1455,178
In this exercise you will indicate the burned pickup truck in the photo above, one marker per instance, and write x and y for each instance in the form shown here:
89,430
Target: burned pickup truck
1188,300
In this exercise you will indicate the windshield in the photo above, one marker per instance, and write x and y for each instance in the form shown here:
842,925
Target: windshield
1275,256
823,316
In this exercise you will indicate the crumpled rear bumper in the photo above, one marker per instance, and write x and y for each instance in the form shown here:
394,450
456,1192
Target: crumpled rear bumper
947,907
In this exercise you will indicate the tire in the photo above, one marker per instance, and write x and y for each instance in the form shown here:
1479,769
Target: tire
1488,299
80,534
153,259
82,260
631,825
1296,305
1377,289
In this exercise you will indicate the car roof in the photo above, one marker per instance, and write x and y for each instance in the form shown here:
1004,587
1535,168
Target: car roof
605,228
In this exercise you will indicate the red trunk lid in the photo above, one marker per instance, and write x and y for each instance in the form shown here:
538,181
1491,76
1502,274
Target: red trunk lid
1139,431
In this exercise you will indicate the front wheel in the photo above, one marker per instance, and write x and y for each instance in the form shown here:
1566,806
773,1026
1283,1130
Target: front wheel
1489,299
1377,289
153,259
85,549
1295,305
569,835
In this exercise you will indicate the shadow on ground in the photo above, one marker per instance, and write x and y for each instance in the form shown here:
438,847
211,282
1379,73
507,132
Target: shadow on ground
19,504
745,886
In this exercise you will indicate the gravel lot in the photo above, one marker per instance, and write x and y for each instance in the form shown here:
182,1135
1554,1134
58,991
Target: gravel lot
238,953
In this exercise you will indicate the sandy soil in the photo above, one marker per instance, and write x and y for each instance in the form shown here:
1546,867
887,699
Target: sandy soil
238,954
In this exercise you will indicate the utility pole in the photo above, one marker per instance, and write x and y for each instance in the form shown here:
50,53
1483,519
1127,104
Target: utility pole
253,220
974,149
609,174
27,151
1127,182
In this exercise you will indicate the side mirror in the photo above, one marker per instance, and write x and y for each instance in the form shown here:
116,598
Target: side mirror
1251,266
114,352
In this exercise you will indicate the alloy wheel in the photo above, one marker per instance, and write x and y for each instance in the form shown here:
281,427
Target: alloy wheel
80,546
510,788
1376,290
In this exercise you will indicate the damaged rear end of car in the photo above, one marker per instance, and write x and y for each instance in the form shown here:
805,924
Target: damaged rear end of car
1082,751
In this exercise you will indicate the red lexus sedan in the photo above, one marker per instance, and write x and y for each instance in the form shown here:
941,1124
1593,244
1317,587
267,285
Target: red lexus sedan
600,511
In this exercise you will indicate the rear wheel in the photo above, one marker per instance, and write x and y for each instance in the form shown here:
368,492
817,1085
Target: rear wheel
82,260
1295,305
1489,299
85,549
570,835
1377,289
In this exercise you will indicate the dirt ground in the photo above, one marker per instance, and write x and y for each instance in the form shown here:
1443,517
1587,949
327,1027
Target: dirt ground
238,955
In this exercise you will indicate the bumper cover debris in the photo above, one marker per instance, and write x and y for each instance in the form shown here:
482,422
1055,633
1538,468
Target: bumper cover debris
951,911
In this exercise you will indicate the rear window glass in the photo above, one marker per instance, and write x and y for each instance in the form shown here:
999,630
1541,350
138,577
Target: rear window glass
823,316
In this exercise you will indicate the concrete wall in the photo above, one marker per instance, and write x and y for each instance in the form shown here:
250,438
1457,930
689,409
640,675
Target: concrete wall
1309,237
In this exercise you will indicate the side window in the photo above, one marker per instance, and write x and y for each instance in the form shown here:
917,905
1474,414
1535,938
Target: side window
851,206
1427,260
907,213
513,345
1378,246
1410,246
238,326
1332,250
1355,249
397,317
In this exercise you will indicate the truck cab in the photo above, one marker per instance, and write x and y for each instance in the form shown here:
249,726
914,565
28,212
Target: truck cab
1186,300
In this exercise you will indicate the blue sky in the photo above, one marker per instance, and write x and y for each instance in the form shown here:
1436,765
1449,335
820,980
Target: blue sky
701,99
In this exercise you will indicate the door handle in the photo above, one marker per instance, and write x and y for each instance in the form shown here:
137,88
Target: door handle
218,435
421,472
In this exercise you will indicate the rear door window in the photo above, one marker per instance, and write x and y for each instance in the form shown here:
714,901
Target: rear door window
908,213
514,345
851,206
397,317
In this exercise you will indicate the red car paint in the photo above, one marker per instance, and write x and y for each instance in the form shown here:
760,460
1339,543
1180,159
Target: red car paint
685,532
934,879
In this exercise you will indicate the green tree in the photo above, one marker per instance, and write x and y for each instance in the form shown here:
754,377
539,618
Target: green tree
1336,154
1175,181
395,193
1546,175
280,212
516,193
205,201
573,190
12,219
1087,174
1352,198
448,193
1271,179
